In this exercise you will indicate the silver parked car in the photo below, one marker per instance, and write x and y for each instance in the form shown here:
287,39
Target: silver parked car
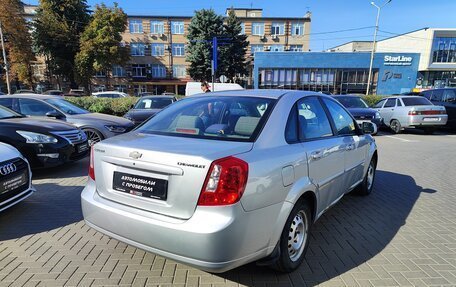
411,112
96,126
222,179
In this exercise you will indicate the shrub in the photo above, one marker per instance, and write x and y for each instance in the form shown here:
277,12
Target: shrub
372,99
116,107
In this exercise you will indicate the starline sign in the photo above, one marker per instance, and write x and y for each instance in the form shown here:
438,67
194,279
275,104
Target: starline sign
397,61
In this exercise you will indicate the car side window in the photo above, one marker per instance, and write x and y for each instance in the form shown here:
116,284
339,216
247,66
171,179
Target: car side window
32,107
398,103
449,96
313,122
379,104
390,103
437,96
291,130
344,123
7,103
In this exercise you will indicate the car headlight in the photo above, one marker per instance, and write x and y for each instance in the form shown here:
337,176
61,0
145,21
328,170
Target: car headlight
37,138
116,129
377,115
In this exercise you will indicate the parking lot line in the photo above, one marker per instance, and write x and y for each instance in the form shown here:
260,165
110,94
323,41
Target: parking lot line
401,139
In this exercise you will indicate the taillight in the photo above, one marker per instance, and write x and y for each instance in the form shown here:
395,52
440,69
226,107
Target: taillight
91,167
225,182
431,112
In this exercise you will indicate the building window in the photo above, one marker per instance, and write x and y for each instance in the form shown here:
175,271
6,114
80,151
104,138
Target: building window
157,27
158,71
258,29
179,50
137,89
242,29
121,88
257,48
118,71
296,48
138,70
444,50
38,70
158,49
277,28
136,26
277,48
177,27
179,71
297,29
137,49
100,74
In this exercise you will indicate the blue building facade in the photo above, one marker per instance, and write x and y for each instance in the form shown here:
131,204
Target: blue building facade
336,73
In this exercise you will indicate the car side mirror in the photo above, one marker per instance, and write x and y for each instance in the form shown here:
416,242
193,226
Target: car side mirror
369,128
54,114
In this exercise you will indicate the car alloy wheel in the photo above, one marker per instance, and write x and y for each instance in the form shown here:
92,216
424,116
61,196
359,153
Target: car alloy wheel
297,236
395,126
370,175
93,136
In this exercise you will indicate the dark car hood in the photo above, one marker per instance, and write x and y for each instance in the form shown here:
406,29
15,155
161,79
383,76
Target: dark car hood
37,124
357,112
103,117
140,115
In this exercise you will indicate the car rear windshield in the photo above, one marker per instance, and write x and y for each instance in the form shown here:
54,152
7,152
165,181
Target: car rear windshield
416,101
153,103
352,102
66,107
212,117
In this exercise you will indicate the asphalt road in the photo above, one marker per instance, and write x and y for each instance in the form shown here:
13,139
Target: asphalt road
404,234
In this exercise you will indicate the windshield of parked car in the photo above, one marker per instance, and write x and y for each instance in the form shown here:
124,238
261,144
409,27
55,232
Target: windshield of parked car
153,103
66,107
8,114
416,101
212,117
352,102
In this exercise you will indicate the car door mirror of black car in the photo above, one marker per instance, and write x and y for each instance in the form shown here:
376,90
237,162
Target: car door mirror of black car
54,114
369,128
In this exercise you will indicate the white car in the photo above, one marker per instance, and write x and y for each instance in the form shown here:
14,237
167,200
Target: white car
111,95
15,177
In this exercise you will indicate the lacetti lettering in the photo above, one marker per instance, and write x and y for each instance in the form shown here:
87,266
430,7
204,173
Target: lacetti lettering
397,61
191,165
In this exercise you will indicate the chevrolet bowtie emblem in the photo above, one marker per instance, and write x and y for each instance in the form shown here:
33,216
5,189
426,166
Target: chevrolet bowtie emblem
135,154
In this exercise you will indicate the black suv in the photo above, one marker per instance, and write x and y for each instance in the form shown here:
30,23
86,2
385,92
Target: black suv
444,97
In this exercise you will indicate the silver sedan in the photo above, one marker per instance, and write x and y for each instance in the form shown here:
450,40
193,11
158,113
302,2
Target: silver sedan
403,112
223,179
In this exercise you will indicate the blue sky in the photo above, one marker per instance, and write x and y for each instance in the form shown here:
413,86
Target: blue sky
327,15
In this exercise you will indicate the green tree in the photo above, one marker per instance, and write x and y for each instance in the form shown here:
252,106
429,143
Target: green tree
205,25
100,46
19,43
58,27
232,55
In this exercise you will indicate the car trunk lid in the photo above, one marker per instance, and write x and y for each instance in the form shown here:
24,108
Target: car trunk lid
160,174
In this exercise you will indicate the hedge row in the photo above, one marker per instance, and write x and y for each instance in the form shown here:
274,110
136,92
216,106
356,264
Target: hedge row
116,107
119,107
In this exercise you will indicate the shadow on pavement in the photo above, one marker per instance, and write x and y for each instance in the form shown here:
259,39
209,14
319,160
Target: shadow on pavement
351,233
53,205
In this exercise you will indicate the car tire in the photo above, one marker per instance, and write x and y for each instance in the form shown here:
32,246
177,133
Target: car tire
366,186
294,239
93,136
396,127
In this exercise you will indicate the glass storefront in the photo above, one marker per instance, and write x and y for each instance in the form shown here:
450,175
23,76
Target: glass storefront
437,79
444,50
335,81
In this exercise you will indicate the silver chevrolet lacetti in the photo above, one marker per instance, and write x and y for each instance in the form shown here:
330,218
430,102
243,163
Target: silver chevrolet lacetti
222,179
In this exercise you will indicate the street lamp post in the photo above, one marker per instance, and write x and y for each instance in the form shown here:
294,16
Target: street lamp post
5,61
374,44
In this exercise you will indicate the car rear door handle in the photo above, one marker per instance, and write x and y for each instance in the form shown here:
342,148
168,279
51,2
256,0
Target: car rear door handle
316,155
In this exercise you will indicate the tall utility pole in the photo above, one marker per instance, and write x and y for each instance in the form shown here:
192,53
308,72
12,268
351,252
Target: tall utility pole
374,44
5,61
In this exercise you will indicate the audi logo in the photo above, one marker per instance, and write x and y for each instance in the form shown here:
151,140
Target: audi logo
7,168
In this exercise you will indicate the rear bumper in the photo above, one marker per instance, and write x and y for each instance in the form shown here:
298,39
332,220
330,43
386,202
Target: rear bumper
215,239
426,121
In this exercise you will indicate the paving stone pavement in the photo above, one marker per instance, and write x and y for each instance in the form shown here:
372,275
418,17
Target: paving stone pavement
404,234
